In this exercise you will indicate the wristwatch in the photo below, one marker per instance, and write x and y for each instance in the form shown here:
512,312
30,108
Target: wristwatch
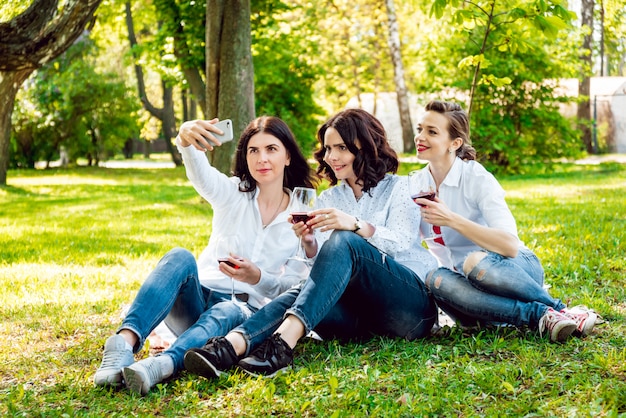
357,224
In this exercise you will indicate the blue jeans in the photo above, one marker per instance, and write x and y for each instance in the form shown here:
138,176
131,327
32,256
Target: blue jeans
353,292
194,313
498,289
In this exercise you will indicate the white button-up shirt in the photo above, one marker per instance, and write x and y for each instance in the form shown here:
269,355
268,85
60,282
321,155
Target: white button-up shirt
472,192
237,213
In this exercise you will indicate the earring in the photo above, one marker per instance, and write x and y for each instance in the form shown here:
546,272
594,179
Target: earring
449,150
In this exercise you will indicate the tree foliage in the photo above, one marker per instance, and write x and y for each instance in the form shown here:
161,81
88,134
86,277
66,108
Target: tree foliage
502,58
68,104
311,57
29,40
614,28
284,78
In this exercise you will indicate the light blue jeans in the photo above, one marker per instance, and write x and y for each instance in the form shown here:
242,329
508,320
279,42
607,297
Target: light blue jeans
194,313
354,292
497,290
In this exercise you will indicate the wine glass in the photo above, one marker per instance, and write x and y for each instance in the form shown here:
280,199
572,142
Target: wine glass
227,246
420,187
302,202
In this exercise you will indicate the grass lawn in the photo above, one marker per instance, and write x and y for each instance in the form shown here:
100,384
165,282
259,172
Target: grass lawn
76,244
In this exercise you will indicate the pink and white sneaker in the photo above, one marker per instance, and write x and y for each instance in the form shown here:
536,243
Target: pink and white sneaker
558,326
584,317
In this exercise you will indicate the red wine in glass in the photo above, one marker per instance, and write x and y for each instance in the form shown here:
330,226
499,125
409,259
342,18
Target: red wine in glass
300,217
430,195
227,261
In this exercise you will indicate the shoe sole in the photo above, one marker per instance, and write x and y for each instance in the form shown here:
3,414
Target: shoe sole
255,374
197,364
114,380
134,381
564,333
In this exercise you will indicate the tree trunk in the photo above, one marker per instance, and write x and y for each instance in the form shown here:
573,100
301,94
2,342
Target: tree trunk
168,122
10,82
229,72
402,95
584,90
602,58
40,34
166,113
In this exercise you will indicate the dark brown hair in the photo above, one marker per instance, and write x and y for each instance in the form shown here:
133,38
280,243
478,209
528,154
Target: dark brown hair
458,126
297,173
373,160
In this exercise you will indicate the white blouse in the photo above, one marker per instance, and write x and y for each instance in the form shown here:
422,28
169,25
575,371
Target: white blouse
389,208
472,192
237,213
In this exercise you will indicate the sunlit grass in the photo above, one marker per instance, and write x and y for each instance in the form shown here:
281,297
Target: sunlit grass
75,246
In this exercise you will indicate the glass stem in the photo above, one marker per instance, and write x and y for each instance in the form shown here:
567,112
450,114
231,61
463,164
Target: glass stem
300,249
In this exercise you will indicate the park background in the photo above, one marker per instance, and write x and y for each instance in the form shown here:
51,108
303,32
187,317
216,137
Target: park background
109,88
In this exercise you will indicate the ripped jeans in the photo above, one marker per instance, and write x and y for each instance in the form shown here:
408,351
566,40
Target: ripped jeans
353,292
497,290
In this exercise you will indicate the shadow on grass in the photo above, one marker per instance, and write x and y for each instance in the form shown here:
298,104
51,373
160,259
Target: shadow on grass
18,191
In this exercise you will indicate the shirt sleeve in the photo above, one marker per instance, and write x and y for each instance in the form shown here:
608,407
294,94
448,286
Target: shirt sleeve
490,199
272,285
401,220
324,200
213,185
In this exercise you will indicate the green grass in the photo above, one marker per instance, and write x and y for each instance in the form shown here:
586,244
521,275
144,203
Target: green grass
76,244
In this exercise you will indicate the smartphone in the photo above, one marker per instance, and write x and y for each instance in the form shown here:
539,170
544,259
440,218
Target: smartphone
225,126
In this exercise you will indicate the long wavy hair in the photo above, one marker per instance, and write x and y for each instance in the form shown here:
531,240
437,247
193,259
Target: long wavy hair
458,126
297,173
373,159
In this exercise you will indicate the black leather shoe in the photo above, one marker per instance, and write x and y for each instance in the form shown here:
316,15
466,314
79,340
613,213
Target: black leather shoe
273,356
210,361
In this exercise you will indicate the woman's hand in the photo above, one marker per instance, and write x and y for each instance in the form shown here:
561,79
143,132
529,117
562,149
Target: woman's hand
331,218
198,133
241,270
435,212
305,233
302,230
491,239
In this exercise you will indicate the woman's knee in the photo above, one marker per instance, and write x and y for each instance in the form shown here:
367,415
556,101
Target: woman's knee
472,260
180,254
340,241
435,278
445,284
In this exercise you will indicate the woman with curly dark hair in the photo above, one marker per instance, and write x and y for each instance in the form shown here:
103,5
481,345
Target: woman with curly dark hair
369,264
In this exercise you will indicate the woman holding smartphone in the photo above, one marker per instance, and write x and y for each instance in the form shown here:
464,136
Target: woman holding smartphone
207,298
369,263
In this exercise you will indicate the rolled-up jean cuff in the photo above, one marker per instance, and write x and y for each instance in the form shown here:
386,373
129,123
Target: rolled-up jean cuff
307,327
140,339
246,338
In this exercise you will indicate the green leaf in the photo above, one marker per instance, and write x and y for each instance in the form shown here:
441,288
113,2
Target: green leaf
517,13
549,25
508,387
437,8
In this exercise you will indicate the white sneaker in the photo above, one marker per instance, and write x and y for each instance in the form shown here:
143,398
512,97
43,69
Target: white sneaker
116,356
143,375
559,326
